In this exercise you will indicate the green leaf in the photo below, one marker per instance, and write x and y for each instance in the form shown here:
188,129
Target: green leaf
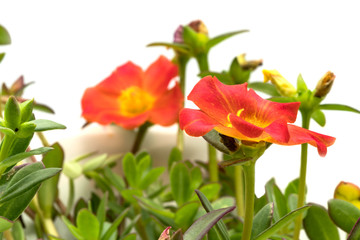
129,168
175,156
199,228
210,190
48,191
180,182
274,195
184,215
18,231
262,220
115,225
355,232
319,117
151,177
72,169
43,108
12,113
292,188
143,166
7,131
94,163
88,225
101,211
338,107
196,177
74,231
17,188
114,179
282,99
45,125
128,194
14,159
131,236
2,55
223,77
343,214
301,85
5,224
318,225
220,227
12,209
266,88
175,46
218,39
284,221
238,74
4,36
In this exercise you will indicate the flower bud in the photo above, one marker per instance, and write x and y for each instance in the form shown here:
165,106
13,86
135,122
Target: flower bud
199,27
26,109
12,114
324,85
248,65
285,88
348,192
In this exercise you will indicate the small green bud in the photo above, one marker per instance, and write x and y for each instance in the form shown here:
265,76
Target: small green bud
26,109
12,114
196,36
25,130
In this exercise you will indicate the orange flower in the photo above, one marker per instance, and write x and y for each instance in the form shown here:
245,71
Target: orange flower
240,113
129,96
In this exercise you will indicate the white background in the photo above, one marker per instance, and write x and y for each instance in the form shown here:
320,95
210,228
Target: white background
67,46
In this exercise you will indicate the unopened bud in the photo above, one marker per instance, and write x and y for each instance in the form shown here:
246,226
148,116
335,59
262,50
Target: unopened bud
198,27
348,192
324,85
248,65
282,85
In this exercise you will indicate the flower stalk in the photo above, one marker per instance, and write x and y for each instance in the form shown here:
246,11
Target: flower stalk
249,174
239,190
140,137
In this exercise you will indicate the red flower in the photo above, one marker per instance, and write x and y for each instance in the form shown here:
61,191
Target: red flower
240,113
129,96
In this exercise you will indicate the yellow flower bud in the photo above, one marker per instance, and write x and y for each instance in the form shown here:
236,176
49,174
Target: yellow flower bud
324,85
282,85
348,192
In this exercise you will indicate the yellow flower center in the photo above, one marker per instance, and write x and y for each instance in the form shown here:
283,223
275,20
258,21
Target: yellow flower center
134,101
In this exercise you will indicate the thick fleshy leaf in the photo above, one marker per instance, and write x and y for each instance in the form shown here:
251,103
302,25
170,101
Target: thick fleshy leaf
275,196
355,232
292,188
73,230
5,224
319,117
129,168
284,221
45,125
175,46
266,88
2,55
180,182
115,225
218,39
7,131
262,220
301,85
48,191
198,229
338,107
17,188
343,213
318,225
175,156
151,177
88,225
14,159
220,227
184,215
4,36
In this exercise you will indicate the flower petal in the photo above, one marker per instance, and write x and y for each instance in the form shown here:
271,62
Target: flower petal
244,127
300,135
158,75
216,99
166,108
94,102
125,122
278,130
123,77
195,122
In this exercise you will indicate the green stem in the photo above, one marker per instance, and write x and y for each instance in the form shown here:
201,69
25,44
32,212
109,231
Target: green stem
140,137
202,60
249,173
306,116
239,190
213,164
43,139
182,63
